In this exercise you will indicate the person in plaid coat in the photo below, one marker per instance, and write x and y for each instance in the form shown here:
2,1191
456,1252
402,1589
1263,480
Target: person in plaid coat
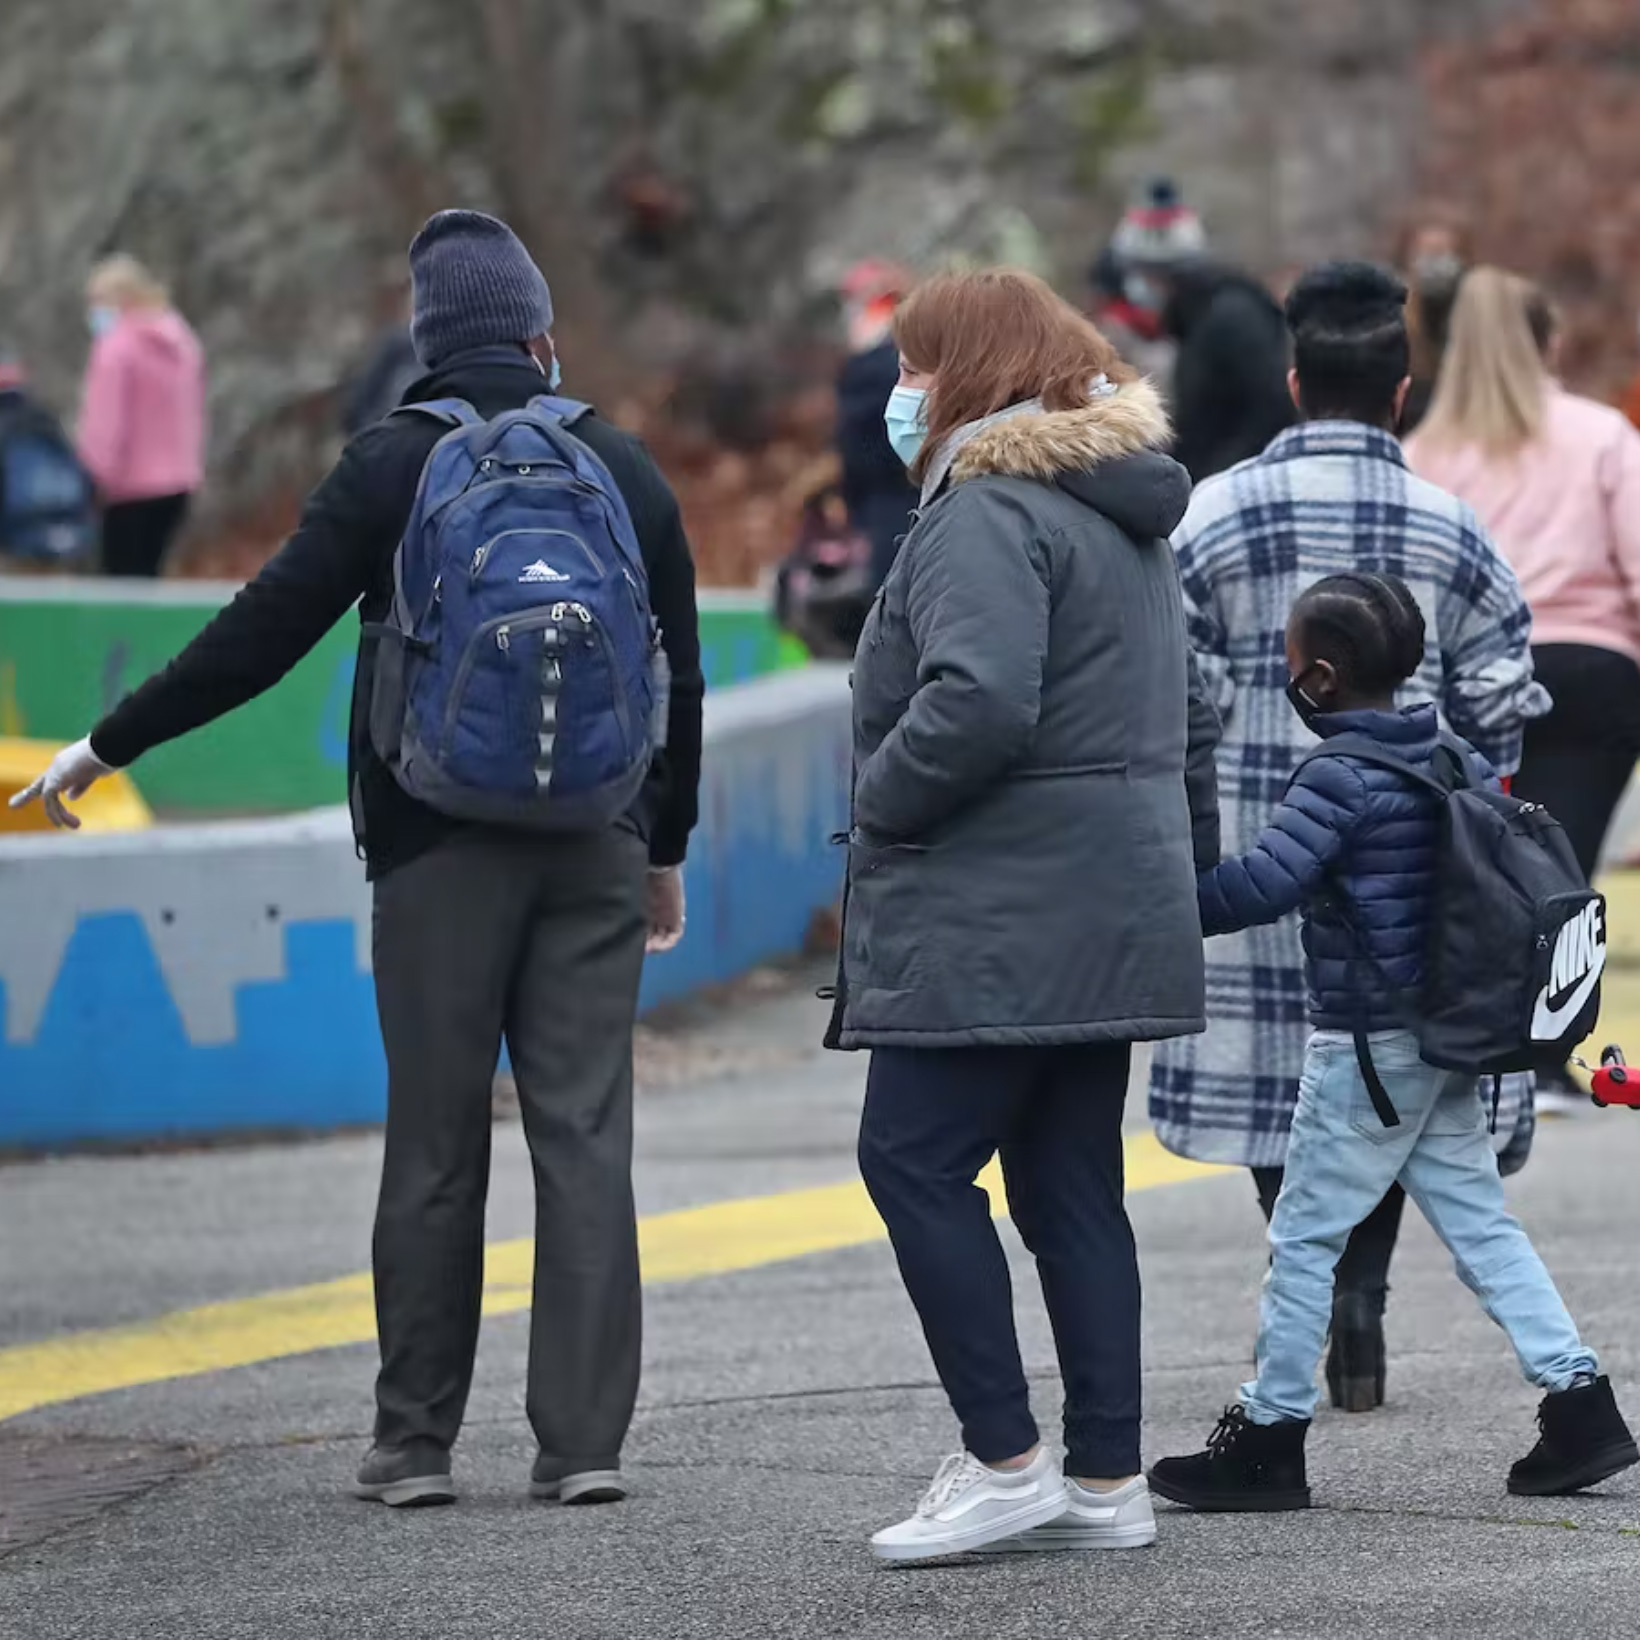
1330,494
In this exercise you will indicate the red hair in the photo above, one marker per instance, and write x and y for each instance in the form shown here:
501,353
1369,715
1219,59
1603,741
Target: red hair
996,338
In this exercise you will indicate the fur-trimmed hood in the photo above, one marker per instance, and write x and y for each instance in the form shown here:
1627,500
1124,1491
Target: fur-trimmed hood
1109,455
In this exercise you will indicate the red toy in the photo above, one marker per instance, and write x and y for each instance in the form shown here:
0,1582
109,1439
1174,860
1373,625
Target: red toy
1611,1083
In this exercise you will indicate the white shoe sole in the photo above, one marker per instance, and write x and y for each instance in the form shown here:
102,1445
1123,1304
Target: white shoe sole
596,1486
1066,1539
412,1492
974,1538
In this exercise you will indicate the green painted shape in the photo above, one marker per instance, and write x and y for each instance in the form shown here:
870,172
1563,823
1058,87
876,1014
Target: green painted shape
69,650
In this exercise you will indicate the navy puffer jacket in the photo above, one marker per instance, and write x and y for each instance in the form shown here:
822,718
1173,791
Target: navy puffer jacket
1351,839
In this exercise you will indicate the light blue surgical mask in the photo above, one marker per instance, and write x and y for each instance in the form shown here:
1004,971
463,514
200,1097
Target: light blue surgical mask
555,376
101,319
904,418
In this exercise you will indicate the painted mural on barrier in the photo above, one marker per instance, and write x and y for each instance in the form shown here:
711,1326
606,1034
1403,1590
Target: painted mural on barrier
210,978
70,649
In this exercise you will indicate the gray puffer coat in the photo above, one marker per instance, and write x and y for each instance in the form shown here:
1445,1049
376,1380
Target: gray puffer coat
1034,785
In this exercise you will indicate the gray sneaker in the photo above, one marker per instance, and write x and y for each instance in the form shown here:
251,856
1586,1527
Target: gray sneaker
405,1476
589,1486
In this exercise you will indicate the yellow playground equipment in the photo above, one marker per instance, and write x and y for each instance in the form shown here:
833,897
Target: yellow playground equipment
113,804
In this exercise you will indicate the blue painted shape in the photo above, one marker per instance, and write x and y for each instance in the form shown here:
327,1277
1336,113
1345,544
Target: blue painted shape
755,880
111,1059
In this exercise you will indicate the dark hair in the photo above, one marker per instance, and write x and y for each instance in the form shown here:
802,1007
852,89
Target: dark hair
1350,344
1367,627
1541,316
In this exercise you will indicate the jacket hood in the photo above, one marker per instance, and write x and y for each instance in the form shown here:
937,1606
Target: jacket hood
162,331
1108,454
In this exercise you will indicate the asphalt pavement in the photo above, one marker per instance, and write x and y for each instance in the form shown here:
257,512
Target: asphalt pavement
788,1410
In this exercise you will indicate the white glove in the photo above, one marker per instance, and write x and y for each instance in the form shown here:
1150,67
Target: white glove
73,772
666,917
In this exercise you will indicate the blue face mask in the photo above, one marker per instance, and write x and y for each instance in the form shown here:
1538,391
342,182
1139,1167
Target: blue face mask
101,319
903,417
555,376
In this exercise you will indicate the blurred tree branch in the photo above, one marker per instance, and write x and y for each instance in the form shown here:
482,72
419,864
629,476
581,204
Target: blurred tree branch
537,54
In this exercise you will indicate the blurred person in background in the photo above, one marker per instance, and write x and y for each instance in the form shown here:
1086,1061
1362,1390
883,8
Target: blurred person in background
1133,328
1330,496
1157,234
1230,393
142,415
48,515
1227,389
388,370
1033,796
876,491
484,931
1434,251
1555,478
1631,400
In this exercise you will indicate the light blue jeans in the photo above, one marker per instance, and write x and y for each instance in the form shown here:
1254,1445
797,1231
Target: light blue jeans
1341,1161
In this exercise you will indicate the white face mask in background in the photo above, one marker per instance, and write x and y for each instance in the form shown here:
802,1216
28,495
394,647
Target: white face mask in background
100,318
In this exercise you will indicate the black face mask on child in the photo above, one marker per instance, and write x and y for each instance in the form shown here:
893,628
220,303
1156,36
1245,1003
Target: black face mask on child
1307,709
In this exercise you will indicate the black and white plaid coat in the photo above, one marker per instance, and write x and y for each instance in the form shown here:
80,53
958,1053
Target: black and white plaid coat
1325,496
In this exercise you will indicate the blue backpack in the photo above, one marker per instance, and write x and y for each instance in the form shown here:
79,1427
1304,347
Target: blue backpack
517,676
47,509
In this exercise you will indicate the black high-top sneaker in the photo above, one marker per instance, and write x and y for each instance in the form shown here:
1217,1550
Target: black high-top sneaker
1355,1360
1582,1441
1246,1468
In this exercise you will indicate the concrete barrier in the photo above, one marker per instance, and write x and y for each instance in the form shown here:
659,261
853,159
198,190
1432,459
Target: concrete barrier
204,979
70,648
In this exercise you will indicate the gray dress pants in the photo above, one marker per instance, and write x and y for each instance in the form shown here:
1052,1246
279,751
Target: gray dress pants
490,935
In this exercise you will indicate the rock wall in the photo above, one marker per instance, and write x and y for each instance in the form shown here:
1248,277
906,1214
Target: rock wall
693,175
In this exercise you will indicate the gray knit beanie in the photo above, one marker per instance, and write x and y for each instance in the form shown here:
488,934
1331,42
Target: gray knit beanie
474,286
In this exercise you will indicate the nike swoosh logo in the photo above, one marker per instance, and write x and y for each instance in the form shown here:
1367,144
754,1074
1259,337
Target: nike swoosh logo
1550,1024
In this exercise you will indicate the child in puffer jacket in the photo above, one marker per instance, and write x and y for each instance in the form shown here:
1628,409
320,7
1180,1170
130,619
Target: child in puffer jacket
1355,844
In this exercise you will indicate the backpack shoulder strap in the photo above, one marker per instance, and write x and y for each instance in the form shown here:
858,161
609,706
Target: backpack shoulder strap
565,411
1364,749
448,413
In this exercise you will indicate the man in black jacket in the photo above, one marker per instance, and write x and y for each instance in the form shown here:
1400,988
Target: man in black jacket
1230,393
481,933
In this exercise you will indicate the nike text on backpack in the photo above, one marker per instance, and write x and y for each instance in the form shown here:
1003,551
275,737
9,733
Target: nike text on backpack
1517,938
518,677
47,510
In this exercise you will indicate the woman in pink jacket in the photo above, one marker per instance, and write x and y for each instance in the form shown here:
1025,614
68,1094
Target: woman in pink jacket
1556,481
142,418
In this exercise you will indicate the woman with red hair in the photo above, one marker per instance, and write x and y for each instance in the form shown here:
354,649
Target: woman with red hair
1033,795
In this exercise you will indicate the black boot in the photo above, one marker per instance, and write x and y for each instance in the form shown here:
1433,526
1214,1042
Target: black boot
1355,1362
1247,1467
1582,1441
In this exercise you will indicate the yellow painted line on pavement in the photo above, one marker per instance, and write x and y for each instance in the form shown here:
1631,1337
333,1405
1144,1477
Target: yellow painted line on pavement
680,1246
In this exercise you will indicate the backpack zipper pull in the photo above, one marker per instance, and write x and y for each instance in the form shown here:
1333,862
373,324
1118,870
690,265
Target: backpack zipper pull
503,638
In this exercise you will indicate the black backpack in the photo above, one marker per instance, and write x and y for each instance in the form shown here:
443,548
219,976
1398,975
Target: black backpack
1517,938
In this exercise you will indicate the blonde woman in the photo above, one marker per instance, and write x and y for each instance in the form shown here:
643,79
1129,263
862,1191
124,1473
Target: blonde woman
1556,481
142,415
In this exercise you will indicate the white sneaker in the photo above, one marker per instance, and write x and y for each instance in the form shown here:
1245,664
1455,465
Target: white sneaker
1122,1519
970,1505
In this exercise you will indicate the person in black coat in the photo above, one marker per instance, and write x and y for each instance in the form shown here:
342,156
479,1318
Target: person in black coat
1230,394
482,933
879,496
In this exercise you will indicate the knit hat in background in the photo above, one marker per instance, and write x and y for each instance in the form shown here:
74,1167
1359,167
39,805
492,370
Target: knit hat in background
1161,231
474,285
